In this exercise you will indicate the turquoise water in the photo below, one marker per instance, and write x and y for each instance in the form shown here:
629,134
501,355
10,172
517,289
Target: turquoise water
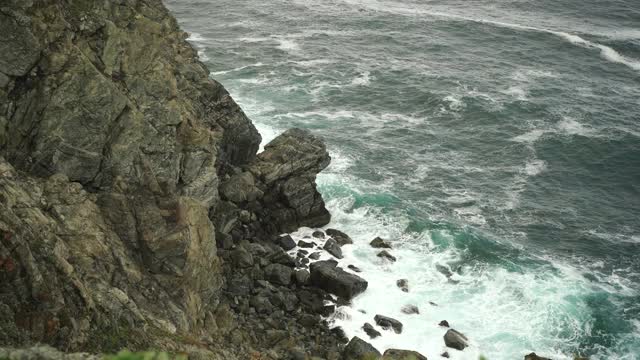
497,138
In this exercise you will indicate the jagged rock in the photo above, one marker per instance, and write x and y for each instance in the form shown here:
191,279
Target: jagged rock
444,323
533,356
371,331
403,284
278,274
455,339
354,268
386,255
314,256
302,277
286,242
332,247
305,244
397,354
386,323
358,349
340,237
410,309
242,258
240,188
380,243
327,276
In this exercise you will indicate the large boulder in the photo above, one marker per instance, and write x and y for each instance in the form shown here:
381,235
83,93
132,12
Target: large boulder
278,274
327,276
358,349
455,339
332,247
398,354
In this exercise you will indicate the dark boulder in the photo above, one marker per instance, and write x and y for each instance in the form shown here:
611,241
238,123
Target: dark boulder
354,268
533,356
318,234
397,354
385,255
261,304
241,258
410,309
403,284
380,243
340,237
386,323
302,277
314,256
286,242
305,244
444,270
455,339
371,331
278,274
444,323
445,355
327,276
332,247
281,257
358,349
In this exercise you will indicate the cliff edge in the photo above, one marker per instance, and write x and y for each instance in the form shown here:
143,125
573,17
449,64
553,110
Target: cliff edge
134,210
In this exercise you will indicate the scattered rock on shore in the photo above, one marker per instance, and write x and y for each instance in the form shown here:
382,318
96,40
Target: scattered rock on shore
318,234
340,237
410,309
403,284
386,322
306,244
358,349
327,276
444,323
397,354
332,247
286,242
385,255
455,339
354,268
533,356
371,331
380,243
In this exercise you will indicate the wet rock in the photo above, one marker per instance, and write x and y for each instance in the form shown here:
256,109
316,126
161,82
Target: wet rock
410,309
444,323
327,276
354,268
371,331
388,323
318,234
444,270
305,244
386,255
455,339
380,243
340,237
278,274
533,356
286,242
332,247
358,349
403,284
397,354
445,355
314,256
432,303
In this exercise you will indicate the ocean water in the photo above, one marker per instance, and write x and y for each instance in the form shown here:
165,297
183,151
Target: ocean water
497,138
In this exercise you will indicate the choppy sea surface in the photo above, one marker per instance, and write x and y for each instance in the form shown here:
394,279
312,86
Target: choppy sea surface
497,138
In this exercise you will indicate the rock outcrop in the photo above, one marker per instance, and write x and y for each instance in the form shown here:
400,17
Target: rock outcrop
326,275
125,174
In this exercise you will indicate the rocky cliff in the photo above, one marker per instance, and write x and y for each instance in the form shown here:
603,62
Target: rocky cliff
134,211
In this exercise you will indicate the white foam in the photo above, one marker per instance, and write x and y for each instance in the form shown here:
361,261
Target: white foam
534,167
606,52
531,136
288,45
518,92
196,37
571,126
203,56
222,72
362,80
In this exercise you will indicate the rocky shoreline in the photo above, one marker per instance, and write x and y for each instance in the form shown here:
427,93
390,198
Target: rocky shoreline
135,211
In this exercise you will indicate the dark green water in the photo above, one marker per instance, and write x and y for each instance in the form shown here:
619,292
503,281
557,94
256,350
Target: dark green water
498,138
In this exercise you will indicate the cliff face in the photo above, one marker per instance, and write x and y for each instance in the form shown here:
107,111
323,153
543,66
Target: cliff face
124,169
